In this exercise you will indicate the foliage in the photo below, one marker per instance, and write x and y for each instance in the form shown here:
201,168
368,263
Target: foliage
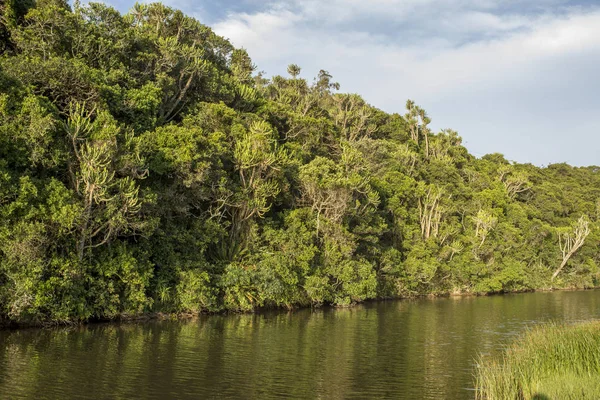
146,167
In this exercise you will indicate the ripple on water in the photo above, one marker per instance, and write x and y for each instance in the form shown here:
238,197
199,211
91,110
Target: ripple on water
396,349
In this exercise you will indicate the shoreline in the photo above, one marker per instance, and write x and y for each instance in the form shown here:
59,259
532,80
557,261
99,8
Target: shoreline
161,316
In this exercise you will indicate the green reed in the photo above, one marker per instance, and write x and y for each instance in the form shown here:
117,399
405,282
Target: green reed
547,362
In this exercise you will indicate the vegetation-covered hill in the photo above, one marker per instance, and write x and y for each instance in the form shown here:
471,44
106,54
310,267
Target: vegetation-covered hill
145,166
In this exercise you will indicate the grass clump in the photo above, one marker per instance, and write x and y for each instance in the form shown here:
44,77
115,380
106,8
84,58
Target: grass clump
548,362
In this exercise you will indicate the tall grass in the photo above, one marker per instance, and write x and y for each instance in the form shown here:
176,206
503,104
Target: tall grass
548,362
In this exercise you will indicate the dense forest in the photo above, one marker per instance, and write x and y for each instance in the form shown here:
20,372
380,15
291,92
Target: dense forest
147,166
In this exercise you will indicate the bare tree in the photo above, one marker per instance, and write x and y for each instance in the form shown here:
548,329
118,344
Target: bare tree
515,182
570,242
418,120
485,222
351,114
430,212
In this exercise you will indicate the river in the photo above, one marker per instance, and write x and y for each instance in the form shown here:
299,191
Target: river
407,349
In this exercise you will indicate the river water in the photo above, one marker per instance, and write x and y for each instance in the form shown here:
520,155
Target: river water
408,349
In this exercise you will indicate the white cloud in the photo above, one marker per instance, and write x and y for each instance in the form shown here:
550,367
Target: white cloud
278,36
507,81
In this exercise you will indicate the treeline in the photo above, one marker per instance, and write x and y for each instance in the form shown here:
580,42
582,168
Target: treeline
145,166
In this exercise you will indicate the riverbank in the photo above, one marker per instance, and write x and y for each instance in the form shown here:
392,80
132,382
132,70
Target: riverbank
162,316
548,362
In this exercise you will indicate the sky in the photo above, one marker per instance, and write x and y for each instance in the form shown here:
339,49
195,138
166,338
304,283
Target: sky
518,77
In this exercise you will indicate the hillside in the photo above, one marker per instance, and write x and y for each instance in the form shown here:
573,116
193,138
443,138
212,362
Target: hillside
145,166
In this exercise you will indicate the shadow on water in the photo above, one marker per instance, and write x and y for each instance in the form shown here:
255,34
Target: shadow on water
397,349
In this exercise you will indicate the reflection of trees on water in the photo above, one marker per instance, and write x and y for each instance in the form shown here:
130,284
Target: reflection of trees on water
422,348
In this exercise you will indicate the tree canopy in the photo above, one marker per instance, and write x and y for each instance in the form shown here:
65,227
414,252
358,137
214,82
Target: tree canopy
145,166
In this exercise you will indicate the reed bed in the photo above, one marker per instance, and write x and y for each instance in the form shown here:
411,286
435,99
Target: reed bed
548,362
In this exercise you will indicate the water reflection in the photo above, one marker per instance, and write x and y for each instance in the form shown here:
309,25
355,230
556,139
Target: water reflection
401,349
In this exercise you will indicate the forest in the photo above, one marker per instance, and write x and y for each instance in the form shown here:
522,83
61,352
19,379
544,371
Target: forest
147,166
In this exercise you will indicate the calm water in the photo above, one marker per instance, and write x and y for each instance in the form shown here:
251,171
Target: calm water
397,349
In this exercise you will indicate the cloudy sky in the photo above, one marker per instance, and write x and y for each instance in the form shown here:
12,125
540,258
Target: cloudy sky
519,77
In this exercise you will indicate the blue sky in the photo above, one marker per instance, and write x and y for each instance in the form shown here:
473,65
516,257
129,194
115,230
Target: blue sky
511,76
